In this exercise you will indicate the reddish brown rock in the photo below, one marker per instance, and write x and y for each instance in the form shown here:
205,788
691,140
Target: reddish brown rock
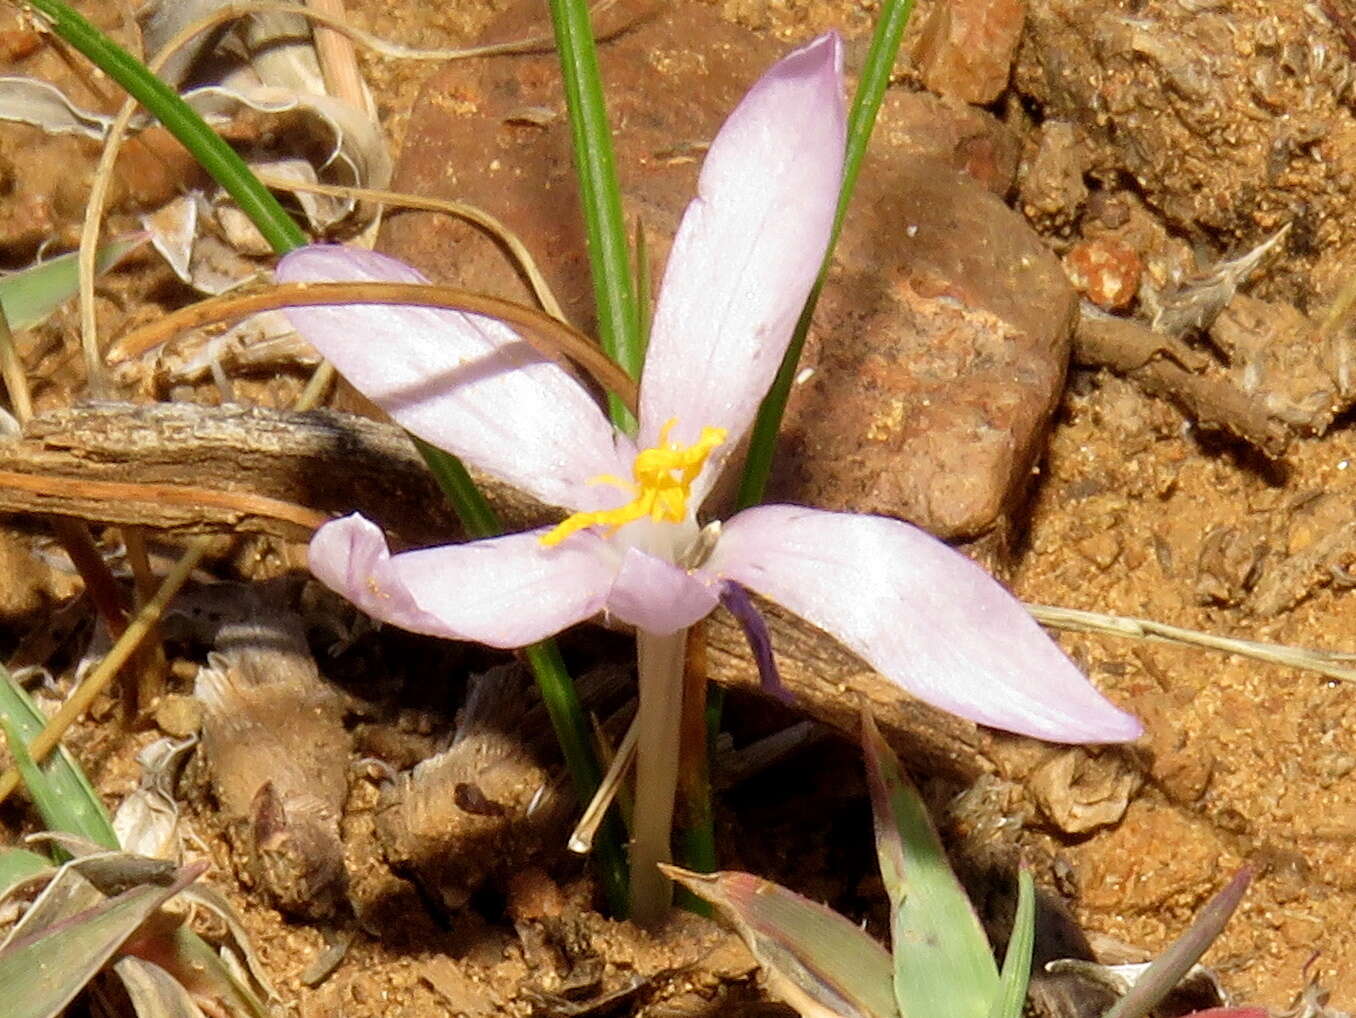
967,47
493,132
948,330
941,338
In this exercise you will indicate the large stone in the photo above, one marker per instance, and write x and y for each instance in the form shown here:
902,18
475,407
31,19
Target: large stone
940,294
949,325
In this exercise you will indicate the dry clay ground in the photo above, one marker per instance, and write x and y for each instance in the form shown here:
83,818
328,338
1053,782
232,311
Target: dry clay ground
1183,132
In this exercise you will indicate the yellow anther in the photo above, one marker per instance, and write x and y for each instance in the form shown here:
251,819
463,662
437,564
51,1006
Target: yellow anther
663,483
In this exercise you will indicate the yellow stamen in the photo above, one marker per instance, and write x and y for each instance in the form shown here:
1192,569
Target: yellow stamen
663,483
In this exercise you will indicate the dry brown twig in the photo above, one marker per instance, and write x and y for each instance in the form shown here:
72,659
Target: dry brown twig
72,490
548,336
1153,362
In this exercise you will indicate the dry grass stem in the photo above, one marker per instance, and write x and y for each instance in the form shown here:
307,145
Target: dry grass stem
12,371
98,679
581,839
462,210
548,336
94,216
317,386
338,59
152,665
1334,664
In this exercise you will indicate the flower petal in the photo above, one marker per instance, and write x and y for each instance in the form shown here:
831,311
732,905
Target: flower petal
465,383
747,252
657,596
503,592
922,614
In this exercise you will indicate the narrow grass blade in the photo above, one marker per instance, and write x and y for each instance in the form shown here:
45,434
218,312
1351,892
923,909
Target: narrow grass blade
605,230
30,295
814,959
43,973
644,287
161,101
58,787
875,77
576,745
1170,966
1016,975
942,960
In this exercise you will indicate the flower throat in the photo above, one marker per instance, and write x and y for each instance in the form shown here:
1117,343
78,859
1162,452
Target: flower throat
663,483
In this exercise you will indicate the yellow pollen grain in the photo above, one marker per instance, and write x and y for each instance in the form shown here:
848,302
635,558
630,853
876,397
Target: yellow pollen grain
663,477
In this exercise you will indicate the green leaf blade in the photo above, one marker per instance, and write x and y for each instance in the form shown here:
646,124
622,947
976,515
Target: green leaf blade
58,787
595,164
43,973
942,960
17,865
1016,974
30,295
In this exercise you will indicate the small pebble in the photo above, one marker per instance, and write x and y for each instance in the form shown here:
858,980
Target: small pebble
178,716
1106,271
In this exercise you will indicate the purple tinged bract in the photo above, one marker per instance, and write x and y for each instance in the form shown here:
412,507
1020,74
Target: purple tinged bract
742,264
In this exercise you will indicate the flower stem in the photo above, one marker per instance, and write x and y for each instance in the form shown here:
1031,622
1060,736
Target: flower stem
661,660
696,841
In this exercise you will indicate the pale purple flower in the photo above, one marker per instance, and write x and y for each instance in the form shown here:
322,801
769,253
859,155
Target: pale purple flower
741,266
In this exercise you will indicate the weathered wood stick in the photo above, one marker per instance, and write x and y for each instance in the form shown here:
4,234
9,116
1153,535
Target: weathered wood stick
329,463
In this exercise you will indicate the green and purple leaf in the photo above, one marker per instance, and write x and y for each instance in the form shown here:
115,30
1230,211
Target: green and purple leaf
44,971
1169,967
813,959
